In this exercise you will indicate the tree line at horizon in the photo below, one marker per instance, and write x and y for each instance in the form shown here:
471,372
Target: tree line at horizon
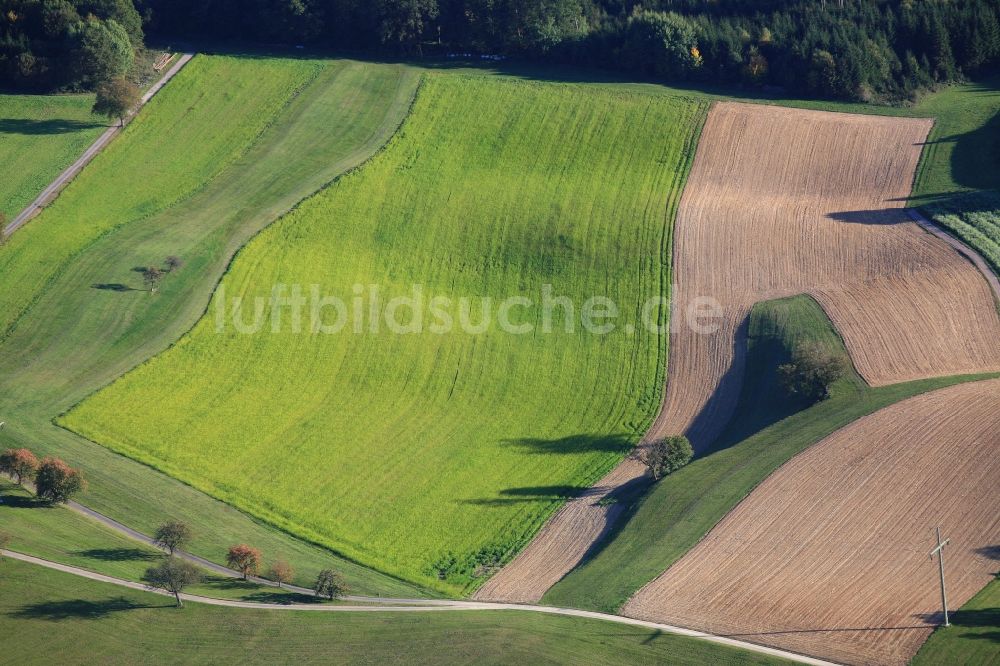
867,50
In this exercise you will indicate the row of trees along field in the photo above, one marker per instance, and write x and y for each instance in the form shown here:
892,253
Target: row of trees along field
871,50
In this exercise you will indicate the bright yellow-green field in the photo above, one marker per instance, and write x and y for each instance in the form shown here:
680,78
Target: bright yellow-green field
433,456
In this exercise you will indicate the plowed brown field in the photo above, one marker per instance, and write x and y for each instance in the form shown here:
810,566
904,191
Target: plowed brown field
782,202
829,556
785,201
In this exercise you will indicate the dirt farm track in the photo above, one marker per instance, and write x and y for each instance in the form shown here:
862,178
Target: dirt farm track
781,202
829,556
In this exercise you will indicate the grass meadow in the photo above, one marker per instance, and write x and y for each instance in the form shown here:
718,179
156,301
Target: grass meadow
57,534
434,456
973,637
975,219
293,126
40,135
60,618
766,431
142,172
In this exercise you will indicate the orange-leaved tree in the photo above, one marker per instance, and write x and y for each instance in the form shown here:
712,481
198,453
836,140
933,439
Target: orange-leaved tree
21,464
245,559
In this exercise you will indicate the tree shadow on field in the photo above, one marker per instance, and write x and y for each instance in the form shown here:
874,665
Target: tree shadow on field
35,127
112,286
118,554
989,552
21,502
583,443
82,609
883,217
284,598
531,494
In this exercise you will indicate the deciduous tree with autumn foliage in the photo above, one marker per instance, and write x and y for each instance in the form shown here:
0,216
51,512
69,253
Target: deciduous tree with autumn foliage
56,481
21,464
245,559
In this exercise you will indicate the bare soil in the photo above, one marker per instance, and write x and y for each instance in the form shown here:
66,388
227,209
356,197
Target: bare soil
829,556
781,202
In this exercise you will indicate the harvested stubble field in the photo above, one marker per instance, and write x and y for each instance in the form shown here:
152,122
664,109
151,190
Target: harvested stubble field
780,202
828,556
431,456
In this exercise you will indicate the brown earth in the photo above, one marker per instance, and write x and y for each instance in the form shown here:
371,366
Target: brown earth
782,202
829,556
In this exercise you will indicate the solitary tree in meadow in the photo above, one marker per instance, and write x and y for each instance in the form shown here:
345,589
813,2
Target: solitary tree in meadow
330,584
245,559
173,575
172,263
116,99
21,464
281,572
151,276
665,455
172,535
56,481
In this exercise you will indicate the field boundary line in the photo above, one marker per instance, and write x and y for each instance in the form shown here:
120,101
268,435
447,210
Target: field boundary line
53,189
961,247
425,607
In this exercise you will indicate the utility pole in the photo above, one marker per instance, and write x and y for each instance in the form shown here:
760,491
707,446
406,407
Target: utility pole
940,553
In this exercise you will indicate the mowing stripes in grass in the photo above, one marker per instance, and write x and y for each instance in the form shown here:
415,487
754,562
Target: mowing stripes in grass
434,456
93,321
61,618
212,111
40,135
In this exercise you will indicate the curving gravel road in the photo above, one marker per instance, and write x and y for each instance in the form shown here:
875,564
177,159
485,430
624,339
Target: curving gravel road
70,173
425,606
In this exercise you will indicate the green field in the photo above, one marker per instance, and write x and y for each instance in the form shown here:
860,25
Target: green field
60,618
430,455
40,135
974,218
58,534
974,637
84,320
963,150
958,182
679,510
141,174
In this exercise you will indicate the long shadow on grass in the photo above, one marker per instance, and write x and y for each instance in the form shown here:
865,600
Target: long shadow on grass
112,286
982,617
22,502
118,554
530,494
34,127
583,443
78,608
